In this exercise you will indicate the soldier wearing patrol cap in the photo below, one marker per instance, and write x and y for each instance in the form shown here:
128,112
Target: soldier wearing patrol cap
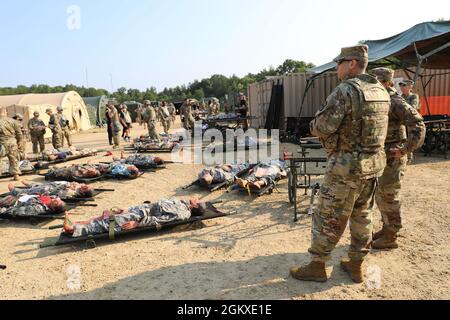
188,118
114,126
65,129
406,133
149,115
10,142
352,127
19,119
406,86
37,132
54,125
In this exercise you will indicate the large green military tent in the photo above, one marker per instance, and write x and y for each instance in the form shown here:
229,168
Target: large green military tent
96,107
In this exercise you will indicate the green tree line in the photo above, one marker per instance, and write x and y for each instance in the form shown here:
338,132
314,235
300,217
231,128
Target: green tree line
215,86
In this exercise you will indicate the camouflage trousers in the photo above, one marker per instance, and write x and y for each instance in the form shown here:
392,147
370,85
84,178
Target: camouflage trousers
189,123
56,140
342,200
12,153
166,125
65,135
388,194
152,130
38,141
21,155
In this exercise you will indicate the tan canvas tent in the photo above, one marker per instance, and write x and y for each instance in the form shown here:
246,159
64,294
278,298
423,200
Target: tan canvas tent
74,108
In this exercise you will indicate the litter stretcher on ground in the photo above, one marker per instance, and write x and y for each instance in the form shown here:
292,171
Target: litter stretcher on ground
36,219
91,240
217,186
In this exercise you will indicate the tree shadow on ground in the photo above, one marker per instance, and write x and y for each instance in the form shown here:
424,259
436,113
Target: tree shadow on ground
264,277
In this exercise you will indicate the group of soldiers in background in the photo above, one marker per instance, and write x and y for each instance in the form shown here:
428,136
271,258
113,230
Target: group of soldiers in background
12,136
368,130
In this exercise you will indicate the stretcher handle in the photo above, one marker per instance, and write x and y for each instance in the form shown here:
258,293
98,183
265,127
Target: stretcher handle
216,201
104,190
59,226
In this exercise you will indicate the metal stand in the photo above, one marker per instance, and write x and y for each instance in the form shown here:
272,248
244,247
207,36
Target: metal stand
298,170
438,137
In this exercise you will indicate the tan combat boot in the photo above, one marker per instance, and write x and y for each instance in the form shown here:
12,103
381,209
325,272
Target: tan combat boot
16,177
354,269
387,241
378,235
315,271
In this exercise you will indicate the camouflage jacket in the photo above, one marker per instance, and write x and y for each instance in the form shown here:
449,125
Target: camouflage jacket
172,110
10,131
186,111
54,123
352,127
406,127
148,114
413,100
164,113
36,127
61,120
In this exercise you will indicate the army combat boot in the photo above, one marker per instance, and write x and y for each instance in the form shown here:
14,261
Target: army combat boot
387,241
315,271
378,235
354,269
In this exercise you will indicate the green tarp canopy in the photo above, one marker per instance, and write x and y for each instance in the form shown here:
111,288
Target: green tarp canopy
430,39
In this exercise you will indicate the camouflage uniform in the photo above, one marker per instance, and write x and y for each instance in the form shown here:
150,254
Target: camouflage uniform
352,128
165,117
116,126
10,138
189,121
37,133
21,151
413,100
151,122
65,130
173,112
55,126
402,116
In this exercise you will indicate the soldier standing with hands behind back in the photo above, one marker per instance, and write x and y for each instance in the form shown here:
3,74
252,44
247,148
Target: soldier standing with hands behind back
37,132
114,124
65,129
352,127
406,86
10,142
406,133
19,119
54,125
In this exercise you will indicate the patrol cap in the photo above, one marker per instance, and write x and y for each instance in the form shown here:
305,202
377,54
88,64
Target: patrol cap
406,83
18,116
359,52
60,109
36,113
48,110
383,74
147,102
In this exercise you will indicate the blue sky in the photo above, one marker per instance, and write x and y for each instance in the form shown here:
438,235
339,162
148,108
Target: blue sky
145,43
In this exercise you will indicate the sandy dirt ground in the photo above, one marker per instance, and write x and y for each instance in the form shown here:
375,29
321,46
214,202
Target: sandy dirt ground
244,256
